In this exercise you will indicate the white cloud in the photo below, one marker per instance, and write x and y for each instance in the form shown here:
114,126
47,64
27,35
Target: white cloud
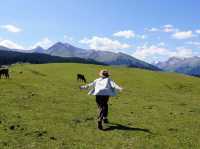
193,43
164,28
10,44
104,43
198,31
161,44
183,35
149,52
11,28
44,43
68,38
182,52
153,29
157,53
141,36
126,34
168,28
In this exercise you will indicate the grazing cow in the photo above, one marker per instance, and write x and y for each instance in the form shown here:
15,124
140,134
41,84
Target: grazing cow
81,77
4,72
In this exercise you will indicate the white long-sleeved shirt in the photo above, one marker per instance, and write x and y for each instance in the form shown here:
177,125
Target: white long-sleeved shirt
103,86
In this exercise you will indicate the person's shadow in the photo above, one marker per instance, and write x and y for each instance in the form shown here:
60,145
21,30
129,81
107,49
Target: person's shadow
114,126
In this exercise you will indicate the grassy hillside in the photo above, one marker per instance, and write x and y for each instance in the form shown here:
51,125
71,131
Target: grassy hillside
41,107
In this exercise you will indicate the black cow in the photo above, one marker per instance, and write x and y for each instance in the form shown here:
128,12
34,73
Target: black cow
4,72
81,77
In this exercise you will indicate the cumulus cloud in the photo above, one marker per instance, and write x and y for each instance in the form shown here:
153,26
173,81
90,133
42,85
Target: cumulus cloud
11,28
149,52
141,36
126,34
168,28
161,44
183,35
104,43
156,53
193,43
182,52
153,29
198,31
10,44
44,43
68,38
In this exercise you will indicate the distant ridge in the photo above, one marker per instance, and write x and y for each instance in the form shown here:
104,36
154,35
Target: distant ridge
190,66
106,57
66,50
11,57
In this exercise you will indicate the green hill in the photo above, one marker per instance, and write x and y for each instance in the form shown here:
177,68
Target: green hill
41,107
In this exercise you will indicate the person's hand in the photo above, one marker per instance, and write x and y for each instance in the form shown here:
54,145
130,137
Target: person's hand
81,87
121,89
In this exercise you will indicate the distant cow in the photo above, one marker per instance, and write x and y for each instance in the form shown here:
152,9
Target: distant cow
4,72
81,77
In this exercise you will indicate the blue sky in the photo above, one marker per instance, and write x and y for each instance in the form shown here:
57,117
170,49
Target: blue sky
151,30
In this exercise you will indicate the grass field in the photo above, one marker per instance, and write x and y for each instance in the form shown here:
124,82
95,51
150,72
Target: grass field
41,107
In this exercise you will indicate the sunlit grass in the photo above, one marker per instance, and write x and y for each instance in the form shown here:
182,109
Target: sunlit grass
41,106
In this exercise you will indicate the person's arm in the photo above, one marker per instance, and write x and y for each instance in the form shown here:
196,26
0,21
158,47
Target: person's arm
114,85
92,84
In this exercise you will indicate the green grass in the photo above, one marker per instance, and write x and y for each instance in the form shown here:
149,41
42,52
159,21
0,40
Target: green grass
43,108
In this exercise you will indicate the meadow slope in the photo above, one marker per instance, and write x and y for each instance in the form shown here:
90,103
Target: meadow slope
41,107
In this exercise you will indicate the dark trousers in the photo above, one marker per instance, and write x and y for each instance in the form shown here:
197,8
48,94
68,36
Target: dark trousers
102,103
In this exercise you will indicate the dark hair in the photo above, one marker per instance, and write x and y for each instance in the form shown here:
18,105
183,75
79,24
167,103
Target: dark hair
106,74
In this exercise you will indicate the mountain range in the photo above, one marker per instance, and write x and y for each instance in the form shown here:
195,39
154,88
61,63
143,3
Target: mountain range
8,57
60,52
189,66
109,58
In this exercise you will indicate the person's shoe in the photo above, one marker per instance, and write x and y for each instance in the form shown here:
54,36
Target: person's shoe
105,120
100,125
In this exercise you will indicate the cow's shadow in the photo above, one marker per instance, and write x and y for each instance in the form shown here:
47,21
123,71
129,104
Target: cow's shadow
115,126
